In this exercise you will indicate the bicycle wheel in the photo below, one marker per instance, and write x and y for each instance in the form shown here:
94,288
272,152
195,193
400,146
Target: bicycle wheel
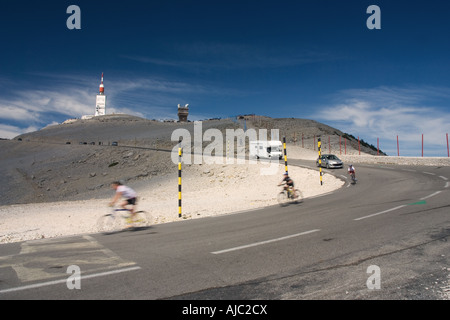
282,198
107,222
298,196
140,219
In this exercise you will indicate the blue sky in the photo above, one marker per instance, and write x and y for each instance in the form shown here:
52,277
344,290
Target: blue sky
303,59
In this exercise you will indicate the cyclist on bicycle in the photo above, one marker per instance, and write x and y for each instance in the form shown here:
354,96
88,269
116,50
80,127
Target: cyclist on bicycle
289,187
126,192
351,171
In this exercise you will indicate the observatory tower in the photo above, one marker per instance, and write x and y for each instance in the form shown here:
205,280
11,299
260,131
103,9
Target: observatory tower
100,105
183,113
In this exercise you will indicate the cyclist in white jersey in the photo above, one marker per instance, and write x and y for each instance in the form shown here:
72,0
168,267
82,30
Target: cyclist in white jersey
352,172
125,192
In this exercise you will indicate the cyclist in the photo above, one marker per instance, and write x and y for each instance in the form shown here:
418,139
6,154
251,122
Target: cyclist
351,171
126,192
289,187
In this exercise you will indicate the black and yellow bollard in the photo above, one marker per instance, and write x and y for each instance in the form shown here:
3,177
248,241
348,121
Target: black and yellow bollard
285,155
319,147
179,178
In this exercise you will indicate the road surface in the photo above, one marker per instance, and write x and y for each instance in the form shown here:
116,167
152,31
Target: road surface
384,238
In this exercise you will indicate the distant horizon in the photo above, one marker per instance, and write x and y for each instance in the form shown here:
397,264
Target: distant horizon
381,150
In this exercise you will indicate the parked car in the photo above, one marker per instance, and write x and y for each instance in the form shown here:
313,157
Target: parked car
114,144
330,161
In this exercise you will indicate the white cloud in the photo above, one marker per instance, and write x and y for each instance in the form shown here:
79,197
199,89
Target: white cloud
33,105
57,98
387,112
9,131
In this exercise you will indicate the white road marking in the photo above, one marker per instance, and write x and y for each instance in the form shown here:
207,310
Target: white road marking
430,173
431,195
83,277
443,178
378,213
265,242
45,253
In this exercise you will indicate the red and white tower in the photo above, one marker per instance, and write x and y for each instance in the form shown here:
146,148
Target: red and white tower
100,105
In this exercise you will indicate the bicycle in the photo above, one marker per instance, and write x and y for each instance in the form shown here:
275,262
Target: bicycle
353,177
120,219
289,195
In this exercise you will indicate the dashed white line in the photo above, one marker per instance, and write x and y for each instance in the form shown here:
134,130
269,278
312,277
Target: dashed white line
378,213
443,178
265,242
431,195
429,173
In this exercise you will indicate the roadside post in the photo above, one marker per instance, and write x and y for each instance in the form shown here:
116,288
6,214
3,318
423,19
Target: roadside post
422,145
319,146
359,147
448,150
378,146
285,155
180,151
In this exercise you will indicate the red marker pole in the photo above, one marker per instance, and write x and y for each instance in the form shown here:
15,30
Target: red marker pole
422,145
359,147
378,146
448,150
319,147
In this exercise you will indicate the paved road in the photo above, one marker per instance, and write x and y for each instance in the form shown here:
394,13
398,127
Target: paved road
384,238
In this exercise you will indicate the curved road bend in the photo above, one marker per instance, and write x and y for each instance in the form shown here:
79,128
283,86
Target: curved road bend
384,238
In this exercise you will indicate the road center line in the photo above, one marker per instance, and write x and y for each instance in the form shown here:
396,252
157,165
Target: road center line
378,213
265,242
431,195
82,277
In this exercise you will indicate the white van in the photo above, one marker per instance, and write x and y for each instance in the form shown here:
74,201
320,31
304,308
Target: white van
266,149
